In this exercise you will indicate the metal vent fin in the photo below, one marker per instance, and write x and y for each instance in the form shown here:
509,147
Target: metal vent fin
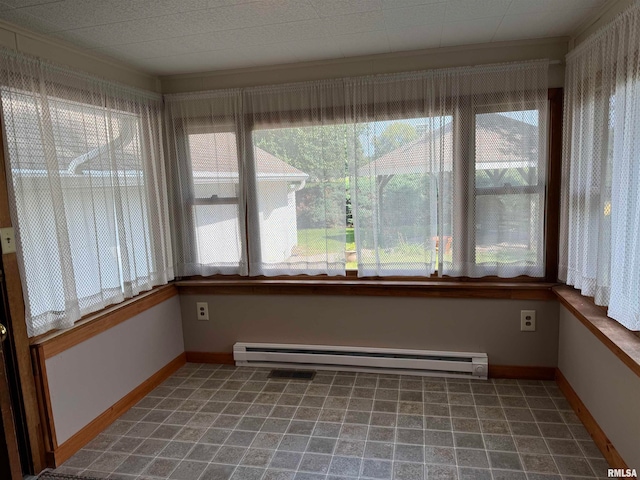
354,353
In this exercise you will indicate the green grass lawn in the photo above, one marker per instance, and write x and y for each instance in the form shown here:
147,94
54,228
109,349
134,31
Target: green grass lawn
313,241
317,241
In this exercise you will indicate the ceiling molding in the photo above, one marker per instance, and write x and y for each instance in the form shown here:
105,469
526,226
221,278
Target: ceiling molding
26,42
553,48
376,57
605,14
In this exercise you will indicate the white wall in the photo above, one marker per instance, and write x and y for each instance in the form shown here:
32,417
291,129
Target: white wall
218,229
455,324
278,221
607,387
90,377
217,226
92,250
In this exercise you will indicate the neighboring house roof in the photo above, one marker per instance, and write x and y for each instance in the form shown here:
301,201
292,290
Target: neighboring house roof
501,142
214,155
80,140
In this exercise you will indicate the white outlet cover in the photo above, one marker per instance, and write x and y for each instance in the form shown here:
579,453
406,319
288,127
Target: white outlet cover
202,309
8,240
527,320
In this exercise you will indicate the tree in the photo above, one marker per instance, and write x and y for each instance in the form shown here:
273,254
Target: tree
324,153
319,151
394,135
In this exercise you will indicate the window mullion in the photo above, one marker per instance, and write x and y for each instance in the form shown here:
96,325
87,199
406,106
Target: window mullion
248,175
463,224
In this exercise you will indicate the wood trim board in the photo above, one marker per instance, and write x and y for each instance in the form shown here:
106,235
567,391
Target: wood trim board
9,450
504,290
597,434
94,324
44,400
622,342
522,372
223,358
63,452
57,342
18,328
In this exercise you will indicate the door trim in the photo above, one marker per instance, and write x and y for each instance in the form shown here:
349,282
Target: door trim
7,423
18,328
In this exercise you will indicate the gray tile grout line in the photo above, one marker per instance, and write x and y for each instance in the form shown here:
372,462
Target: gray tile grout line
234,428
120,437
395,429
284,433
179,461
341,423
353,386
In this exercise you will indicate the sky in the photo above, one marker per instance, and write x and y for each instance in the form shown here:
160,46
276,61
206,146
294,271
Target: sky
376,128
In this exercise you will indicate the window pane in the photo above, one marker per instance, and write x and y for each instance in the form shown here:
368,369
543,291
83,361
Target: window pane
214,164
406,162
80,197
509,211
301,176
507,229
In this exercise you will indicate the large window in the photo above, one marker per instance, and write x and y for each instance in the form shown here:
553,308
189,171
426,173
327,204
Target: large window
85,190
510,189
301,176
215,203
409,175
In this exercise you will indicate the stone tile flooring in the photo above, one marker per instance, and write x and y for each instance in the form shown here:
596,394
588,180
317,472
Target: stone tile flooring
218,422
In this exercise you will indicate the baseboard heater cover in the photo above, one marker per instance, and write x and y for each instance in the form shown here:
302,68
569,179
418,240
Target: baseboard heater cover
363,359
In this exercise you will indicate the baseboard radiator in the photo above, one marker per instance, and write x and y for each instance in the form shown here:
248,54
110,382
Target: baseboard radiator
361,359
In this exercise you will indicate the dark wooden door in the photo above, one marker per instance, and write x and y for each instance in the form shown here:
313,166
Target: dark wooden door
9,455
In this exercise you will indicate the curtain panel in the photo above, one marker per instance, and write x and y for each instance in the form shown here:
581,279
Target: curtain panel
463,193
204,149
87,189
600,202
405,174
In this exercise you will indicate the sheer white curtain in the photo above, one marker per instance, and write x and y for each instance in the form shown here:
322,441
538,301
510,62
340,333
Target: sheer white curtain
205,145
453,175
275,155
402,174
600,223
297,180
398,125
87,189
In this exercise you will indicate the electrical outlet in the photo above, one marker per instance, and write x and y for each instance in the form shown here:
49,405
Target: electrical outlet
527,320
8,240
203,310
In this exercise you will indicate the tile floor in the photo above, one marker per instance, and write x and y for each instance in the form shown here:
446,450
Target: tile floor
218,422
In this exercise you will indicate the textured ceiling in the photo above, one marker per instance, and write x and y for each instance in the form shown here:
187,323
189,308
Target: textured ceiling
178,36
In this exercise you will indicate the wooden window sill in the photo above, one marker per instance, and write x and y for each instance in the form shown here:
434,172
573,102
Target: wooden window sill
54,342
369,287
624,343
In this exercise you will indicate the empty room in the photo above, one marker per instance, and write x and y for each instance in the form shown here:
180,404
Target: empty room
319,239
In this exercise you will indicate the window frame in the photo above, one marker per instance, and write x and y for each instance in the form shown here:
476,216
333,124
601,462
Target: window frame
63,98
203,126
245,126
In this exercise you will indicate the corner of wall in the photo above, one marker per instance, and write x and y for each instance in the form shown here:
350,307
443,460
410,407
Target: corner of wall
607,13
61,52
